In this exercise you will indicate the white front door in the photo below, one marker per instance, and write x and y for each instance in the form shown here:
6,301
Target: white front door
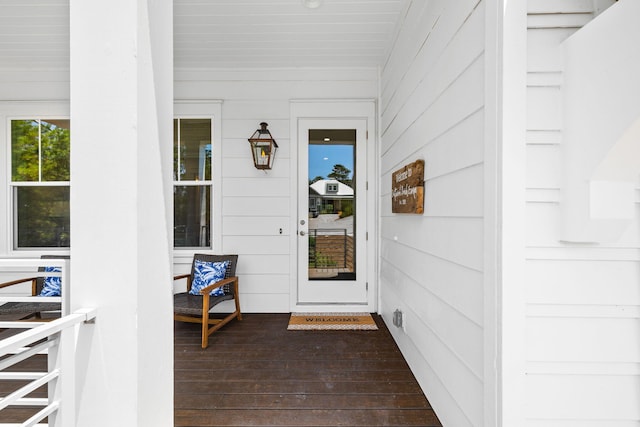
332,217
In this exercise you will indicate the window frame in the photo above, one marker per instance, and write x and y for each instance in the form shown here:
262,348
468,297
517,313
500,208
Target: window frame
211,110
9,112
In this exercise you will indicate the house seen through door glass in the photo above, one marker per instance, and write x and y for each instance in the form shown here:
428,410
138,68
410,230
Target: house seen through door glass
332,198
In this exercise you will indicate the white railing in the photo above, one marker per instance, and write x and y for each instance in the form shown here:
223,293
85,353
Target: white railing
57,339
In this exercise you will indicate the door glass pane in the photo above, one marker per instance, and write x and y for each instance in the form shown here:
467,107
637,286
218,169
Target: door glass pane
332,204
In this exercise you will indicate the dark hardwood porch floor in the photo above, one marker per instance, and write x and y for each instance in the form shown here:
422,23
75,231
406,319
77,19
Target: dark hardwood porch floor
256,373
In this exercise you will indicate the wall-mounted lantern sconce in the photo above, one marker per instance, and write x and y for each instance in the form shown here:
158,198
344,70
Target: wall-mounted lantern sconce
263,147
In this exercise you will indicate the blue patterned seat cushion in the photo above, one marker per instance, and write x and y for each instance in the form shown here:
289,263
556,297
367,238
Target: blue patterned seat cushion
51,287
206,273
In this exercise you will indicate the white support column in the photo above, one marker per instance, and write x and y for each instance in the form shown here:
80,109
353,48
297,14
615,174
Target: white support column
512,214
505,220
492,135
121,221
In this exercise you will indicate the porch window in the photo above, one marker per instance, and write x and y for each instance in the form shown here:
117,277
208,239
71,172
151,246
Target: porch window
39,185
192,182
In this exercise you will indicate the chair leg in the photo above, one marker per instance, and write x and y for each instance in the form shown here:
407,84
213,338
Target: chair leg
205,321
205,316
239,316
236,299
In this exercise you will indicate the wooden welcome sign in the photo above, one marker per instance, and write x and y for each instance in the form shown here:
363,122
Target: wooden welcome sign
408,189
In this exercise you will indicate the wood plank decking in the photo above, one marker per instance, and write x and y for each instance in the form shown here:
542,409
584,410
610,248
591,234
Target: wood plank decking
256,373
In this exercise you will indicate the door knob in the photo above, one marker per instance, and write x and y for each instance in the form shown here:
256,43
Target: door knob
302,233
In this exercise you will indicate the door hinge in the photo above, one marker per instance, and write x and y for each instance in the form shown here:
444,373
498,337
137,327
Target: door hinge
367,185
367,286
366,236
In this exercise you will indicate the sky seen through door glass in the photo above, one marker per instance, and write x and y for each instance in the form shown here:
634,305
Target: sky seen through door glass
322,158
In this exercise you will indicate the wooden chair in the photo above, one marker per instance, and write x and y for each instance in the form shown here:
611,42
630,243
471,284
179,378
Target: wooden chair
26,310
195,308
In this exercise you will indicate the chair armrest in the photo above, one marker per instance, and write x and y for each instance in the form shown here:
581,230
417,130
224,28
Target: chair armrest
207,289
18,281
184,276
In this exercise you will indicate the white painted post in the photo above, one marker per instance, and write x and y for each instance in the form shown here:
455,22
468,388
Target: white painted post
491,226
505,187
121,204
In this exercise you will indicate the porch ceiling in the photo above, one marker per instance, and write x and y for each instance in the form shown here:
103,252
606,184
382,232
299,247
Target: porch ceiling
223,33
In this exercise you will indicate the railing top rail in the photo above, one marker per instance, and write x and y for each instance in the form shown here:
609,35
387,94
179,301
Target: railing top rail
9,298
9,345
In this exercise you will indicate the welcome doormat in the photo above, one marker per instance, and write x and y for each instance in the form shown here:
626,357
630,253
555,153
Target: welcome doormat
331,321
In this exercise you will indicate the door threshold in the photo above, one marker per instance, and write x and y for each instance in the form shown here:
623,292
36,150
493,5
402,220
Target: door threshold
331,308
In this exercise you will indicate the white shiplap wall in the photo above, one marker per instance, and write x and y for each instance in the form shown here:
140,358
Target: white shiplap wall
583,301
255,204
34,85
432,265
26,92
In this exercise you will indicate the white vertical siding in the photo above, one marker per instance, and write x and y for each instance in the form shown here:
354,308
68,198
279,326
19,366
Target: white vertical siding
255,204
432,264
583,301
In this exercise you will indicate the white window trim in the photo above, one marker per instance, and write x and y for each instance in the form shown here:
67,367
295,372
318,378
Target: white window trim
210,109
20,110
